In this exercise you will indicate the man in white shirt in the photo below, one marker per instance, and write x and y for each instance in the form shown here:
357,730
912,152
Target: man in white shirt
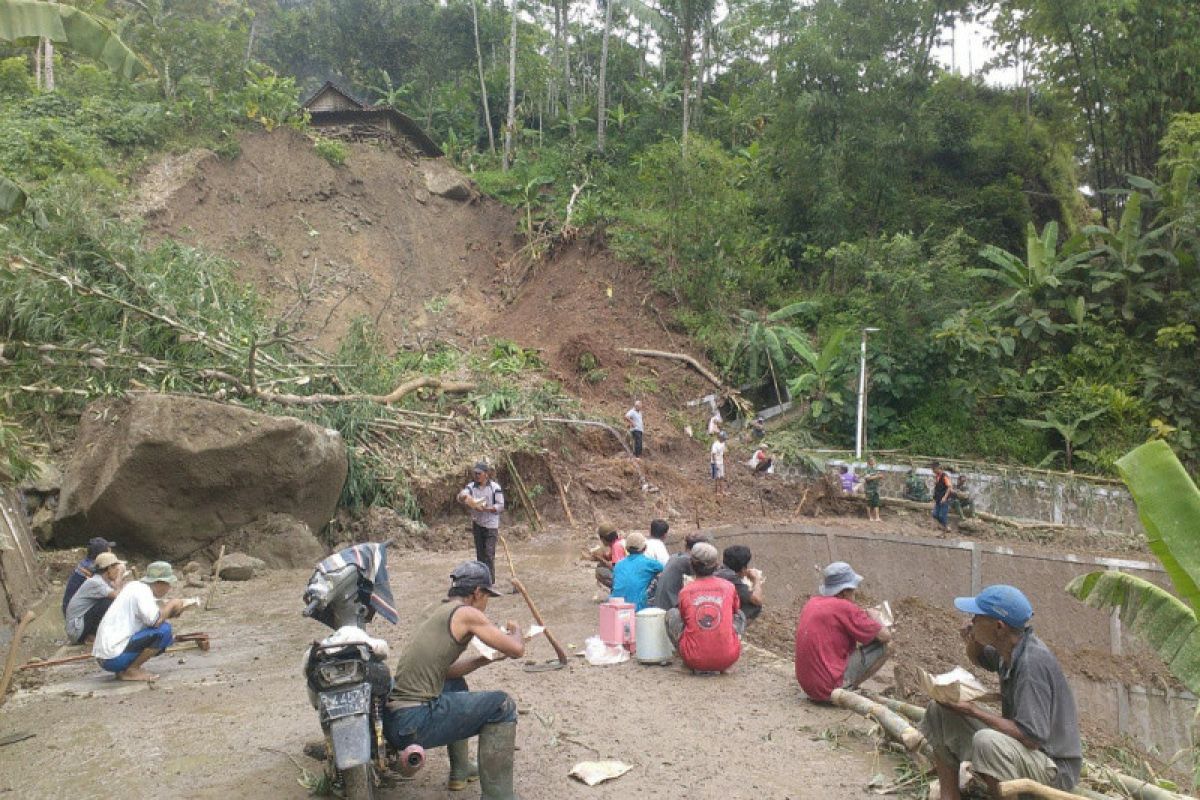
656,547
633,419
485,499
716,462
714,423
92,600
135,629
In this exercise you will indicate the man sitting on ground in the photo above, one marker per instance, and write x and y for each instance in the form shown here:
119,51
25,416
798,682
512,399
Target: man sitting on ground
656,547
94,598
707,627
633,573
135,629
837,642
678,566
85,568
430,703
610,550
1036,734
748,582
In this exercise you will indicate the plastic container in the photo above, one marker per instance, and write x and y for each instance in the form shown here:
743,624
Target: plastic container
617,623
654,647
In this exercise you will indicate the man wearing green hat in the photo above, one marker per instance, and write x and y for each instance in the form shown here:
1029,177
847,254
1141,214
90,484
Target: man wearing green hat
1036,733
135,628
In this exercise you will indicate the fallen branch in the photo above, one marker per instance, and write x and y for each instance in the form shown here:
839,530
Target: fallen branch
395,396
1021,787
693,363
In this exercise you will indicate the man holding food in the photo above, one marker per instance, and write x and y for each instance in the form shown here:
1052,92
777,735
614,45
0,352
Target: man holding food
484,497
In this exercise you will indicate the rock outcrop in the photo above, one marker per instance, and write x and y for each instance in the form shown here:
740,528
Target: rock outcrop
167,476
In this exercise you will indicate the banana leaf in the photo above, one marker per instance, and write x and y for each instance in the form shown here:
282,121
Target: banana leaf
1162,620
1169,506
23,20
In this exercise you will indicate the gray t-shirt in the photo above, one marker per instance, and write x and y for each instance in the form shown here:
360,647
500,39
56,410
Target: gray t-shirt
670,581
1035,695
93,590
635,417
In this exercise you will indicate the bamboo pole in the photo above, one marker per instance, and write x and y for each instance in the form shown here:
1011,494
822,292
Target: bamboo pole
531,512
896,726
1026,786
562,498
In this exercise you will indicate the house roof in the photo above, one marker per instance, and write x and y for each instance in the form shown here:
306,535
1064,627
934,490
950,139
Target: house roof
354,110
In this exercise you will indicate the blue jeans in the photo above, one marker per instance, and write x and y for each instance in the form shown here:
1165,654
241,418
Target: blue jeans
455,714
158,638
941,512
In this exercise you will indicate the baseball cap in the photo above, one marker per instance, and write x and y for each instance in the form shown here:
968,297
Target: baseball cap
635,541
999,601
480,466
106,560
473,575
99,545
159,572
838,576
706,554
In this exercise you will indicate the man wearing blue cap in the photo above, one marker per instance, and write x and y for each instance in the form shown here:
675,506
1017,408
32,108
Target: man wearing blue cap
1036,735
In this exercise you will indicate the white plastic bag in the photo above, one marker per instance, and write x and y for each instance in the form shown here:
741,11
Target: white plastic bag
598,653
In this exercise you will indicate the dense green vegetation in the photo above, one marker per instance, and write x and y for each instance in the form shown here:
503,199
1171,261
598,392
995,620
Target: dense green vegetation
1029,252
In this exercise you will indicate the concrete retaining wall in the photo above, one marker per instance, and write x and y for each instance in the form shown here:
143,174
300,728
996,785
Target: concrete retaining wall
937,571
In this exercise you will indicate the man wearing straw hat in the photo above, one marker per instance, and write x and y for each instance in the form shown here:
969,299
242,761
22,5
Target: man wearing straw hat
838,643
135,629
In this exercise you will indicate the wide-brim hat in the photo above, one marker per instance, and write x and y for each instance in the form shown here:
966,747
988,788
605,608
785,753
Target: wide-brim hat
159,572
838,577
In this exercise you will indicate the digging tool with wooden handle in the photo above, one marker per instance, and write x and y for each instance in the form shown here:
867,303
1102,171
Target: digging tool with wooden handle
537,616
11,661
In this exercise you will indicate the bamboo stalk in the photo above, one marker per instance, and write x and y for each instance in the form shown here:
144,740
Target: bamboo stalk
895,725
562,498
531,512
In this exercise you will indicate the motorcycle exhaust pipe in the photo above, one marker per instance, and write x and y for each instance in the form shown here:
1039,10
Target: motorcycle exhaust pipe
412,758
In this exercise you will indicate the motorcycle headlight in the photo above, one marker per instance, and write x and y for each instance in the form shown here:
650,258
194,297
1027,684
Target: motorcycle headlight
339,673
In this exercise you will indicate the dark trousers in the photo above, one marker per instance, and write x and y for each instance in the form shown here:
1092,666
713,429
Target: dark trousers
637,443
485,546
91,620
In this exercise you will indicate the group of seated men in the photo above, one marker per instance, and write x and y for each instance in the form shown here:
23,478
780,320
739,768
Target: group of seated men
709,596
120,618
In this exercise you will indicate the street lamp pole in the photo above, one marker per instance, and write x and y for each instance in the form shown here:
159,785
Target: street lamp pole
860,431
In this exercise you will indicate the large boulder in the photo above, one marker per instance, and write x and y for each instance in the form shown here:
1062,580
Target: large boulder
240,567
279,540
445,181
167,476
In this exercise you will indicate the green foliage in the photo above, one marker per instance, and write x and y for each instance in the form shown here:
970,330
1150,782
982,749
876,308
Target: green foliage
508,358
332,150
22,20
270,100
15,82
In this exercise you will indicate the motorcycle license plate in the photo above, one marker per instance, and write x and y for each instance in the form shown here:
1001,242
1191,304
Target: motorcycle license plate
346,702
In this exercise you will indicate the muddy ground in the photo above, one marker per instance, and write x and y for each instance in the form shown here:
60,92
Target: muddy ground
235,721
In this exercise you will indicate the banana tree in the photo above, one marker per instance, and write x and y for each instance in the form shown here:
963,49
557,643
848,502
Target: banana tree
1169,506
24,21
1128,251
1068,430
823,382
766,341
1032,279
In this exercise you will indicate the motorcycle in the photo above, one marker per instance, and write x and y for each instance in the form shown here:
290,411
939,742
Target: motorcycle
346,673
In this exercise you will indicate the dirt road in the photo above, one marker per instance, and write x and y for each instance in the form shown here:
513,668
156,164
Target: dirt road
230,722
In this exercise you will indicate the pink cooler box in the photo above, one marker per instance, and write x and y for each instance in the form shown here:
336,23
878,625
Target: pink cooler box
618,623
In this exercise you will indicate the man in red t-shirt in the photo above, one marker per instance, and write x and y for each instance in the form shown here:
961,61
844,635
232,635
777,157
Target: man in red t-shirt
837,642
707,626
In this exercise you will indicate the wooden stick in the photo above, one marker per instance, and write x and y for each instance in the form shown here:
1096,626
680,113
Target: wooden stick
691,362
526,500
216,575
200,640
1020,786
11,661
562,498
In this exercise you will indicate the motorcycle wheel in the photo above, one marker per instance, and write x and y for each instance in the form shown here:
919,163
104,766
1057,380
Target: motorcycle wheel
359,782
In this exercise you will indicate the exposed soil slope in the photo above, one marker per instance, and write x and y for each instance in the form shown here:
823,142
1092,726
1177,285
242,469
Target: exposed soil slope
327,244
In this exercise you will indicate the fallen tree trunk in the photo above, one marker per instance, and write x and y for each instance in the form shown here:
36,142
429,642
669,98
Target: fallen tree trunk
895,725
394,396
691,362
1026,786
899,502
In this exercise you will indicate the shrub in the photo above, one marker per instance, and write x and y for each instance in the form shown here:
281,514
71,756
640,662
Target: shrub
332,150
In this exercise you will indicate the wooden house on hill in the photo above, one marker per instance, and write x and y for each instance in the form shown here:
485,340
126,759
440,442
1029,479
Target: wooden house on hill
338,114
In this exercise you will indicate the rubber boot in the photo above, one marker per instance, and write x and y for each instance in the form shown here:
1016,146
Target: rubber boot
462,769
496,745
